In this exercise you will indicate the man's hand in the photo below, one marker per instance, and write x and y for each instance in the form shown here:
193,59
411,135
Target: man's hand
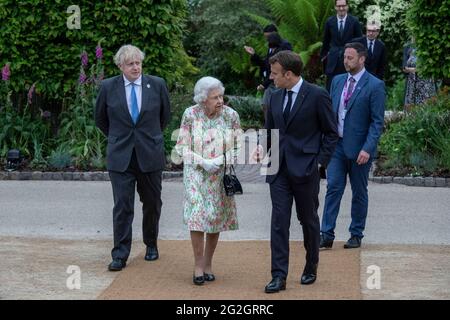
260,87
257,154
322,172
249,50
363,157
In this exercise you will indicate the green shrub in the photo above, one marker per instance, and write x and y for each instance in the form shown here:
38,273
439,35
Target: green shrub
218,31
180,99
78,133
250,111
421,140
41,48
59,159
396,95
428,21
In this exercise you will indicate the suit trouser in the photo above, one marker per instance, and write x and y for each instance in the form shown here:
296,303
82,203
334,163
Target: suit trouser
283,191
338,169
149,190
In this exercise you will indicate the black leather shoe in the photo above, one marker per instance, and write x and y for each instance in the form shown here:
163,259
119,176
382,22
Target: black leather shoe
353,242
325,244
309,275
198,280
117,265
151,254
276,285
209,277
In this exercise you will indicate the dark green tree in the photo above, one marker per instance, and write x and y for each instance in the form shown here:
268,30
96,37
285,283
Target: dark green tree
42,42
428,22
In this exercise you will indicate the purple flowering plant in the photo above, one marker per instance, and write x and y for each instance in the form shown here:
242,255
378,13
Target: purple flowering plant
5,92
78,132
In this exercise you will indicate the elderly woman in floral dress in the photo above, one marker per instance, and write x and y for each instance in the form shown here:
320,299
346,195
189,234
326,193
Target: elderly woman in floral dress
209,132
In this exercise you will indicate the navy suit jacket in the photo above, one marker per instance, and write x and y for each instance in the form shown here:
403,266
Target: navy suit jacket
263,63
146,136
310,135
364,119
375,63
333,44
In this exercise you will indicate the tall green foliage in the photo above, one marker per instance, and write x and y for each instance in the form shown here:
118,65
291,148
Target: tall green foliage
429,24
78,136
301,22
421,141
37,41
394,31
218,31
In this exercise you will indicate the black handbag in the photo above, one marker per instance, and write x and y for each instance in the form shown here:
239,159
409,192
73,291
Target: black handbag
230,181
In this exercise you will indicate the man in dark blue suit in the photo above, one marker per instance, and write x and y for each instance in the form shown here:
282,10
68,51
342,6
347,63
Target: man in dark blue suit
338,30
132,110
376,50
358,100
302,115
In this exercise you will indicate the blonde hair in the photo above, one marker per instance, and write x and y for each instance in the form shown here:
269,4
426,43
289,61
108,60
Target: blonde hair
128,52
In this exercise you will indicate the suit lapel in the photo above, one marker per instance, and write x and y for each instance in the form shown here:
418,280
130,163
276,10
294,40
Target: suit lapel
361,83
146,87
278,110
304,89
338,93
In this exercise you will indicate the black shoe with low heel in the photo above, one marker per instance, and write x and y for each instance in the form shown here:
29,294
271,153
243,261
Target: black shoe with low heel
209,277
198,280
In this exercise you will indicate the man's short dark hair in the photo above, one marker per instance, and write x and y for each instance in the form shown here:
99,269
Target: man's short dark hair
289,61
270,28
359,47
274,40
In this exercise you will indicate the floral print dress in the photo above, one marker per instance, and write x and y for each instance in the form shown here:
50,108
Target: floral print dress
206,206
418,89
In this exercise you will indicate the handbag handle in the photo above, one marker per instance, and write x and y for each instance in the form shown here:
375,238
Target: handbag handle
225,167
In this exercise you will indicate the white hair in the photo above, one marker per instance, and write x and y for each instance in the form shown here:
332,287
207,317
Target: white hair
128,52
204,86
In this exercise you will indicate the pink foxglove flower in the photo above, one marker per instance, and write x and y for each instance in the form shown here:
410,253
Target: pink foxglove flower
84,59
30,93
99,52
6,72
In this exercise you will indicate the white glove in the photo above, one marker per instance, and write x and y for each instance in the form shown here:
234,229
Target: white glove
209,165
212,165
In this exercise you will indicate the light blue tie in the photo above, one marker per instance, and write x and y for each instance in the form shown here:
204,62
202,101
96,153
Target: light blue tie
134,104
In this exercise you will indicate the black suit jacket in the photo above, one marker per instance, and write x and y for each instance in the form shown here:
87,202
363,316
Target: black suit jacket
376,62
146,136
310,135
264,65
333,44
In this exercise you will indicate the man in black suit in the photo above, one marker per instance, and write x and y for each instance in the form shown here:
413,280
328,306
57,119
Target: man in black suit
132,110
276,44
302,114
376,59
338,30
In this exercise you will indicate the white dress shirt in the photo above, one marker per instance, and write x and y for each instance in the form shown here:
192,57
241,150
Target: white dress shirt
295,89
342,110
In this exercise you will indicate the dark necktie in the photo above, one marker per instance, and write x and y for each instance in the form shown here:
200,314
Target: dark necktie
370,48
341,28
287,109
349,92
134,104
